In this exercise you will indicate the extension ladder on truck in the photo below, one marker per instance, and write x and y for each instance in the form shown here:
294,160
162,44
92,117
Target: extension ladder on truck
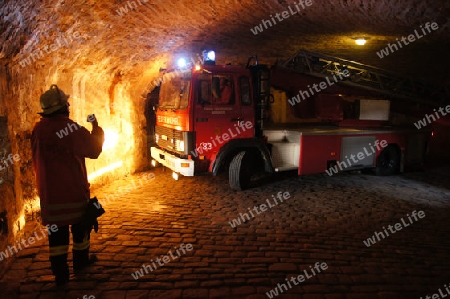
368,77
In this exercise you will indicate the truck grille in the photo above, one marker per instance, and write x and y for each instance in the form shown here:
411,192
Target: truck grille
168,138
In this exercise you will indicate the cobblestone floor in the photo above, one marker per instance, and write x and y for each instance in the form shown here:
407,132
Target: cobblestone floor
326,220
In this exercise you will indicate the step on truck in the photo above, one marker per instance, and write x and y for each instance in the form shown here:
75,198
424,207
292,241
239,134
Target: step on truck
223,118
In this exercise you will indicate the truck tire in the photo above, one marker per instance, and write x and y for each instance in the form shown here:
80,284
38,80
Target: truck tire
388,161
239,172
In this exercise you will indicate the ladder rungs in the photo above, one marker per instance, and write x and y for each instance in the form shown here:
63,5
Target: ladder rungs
368,77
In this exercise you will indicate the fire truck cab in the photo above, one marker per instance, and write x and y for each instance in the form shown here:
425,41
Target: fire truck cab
206,116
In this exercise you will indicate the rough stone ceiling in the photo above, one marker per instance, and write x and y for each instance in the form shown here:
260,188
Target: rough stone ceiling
107,62
144,38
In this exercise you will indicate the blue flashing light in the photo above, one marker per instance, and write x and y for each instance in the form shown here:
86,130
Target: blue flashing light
209,57
181,63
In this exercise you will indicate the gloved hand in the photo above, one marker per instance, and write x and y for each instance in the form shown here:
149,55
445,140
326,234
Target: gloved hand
93,210
91,225
95,225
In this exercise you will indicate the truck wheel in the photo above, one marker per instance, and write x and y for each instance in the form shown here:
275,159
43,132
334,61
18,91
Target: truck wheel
239,172
388,161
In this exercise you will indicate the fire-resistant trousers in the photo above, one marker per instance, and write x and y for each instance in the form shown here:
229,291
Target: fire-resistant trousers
59,249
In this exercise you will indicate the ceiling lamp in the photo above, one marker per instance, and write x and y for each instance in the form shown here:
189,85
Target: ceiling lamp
360,41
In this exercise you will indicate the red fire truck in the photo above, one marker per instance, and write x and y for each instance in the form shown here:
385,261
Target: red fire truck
216,118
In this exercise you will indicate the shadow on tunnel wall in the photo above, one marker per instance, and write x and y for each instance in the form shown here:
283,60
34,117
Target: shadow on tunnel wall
150,118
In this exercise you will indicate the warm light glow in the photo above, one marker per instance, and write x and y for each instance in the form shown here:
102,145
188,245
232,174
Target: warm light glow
197,67
20,224
111,139
104,170
156,206
32,205
360,41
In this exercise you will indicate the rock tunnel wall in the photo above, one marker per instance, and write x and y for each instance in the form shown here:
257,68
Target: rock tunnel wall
118,101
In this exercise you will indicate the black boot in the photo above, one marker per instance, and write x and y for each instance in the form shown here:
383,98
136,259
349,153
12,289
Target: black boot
81,259
60,269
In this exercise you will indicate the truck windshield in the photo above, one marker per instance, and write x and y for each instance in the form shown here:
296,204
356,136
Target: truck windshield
175,88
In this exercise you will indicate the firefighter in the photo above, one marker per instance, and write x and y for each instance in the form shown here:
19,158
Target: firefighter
59,148
226,91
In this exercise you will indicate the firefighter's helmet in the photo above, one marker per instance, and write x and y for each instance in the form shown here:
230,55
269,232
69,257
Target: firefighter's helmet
52,100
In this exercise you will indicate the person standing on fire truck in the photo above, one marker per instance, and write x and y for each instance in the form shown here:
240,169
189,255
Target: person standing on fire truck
59,165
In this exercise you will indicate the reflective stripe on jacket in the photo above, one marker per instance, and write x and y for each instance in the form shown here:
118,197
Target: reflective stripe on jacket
60,169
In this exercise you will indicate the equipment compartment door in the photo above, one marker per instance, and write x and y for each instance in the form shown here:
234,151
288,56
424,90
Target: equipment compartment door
359,149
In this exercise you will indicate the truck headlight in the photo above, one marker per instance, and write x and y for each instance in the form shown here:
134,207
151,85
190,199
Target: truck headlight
179,145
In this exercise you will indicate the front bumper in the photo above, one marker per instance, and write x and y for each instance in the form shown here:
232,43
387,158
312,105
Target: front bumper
181,166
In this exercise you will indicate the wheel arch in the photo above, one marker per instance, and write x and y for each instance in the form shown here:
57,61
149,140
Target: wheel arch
393,145
391,148
401,154
396,146
233,147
